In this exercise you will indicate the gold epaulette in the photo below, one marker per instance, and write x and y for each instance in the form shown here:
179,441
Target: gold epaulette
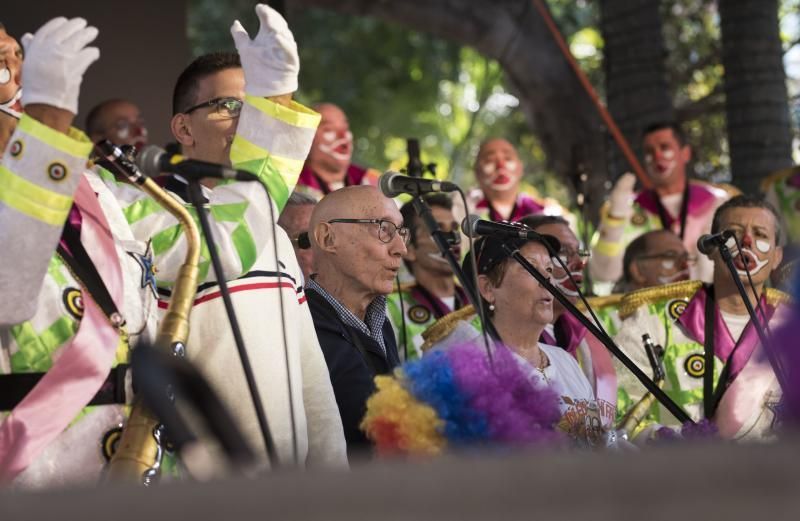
635,299
776,297
601,302
445,325
777,176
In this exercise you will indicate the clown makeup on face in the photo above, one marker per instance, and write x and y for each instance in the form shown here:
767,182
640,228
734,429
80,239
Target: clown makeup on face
338,146
755,229
498,167
332,148
665,158
10,75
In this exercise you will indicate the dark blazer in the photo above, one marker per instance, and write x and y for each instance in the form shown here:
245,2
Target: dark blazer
353,360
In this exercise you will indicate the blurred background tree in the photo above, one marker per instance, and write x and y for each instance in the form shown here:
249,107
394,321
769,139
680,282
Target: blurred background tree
395,82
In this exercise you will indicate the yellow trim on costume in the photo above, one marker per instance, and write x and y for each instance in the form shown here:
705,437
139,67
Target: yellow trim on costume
606,218
287,166
75,143
601,302
295,114
776,297
608,248
33,200
635,299
243,150
445,325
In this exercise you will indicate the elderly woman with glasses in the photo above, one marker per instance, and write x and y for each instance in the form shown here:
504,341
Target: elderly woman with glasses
520,309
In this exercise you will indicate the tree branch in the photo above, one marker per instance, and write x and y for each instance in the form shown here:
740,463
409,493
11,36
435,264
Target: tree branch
714,101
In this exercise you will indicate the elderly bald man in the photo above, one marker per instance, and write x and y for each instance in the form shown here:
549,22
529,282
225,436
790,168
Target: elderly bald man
358,241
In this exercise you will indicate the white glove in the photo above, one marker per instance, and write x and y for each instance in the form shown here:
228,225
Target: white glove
270,60
56,58
621,196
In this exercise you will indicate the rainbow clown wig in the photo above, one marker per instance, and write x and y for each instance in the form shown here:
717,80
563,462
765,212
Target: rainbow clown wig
459,398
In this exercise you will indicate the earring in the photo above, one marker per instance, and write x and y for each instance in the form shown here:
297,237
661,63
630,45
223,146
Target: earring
491,307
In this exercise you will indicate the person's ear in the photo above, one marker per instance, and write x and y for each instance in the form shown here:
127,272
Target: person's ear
686,153
181,127
324,237
486,288
411,252
637,276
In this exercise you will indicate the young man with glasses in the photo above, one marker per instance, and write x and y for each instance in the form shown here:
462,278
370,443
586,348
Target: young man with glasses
237,109
565,331
358,240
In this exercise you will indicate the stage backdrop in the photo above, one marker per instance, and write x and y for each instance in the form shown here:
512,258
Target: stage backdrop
142,45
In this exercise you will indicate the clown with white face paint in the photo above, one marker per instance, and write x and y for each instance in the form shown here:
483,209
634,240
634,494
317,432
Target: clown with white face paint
328,166
501,195
674,202
744,396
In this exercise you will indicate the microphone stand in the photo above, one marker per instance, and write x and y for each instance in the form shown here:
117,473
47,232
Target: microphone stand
197,199
651,386
425,213
725,253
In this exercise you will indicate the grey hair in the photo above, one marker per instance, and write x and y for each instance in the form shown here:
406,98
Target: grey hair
300,199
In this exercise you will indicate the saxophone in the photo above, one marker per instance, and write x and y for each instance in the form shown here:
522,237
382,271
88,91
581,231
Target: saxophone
639,411
139,450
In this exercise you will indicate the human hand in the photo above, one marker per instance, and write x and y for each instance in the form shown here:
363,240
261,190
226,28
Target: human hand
269,60
56,58
620,206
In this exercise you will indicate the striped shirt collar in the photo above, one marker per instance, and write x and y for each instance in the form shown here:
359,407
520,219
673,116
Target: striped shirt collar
372,325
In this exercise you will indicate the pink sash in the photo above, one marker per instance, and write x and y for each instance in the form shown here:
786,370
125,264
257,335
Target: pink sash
83,364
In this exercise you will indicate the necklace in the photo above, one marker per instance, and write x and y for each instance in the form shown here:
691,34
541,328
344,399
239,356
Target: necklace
542,365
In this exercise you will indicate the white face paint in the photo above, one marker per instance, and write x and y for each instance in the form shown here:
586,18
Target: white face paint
5,75
565,285
762,245
503,178
754,261
681,275
340,149
668,264
13,107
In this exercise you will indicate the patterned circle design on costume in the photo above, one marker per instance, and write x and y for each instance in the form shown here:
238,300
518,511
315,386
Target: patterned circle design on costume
57,171
110,442
676,308
419,314
638,219
695,366
73,301
16,148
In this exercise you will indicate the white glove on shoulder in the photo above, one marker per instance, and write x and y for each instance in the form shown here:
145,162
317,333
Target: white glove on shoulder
56,58
621,198
270,60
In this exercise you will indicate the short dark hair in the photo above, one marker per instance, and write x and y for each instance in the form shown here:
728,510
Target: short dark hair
93,118
636,249
676,129
749,201
535,221
411,220
185,93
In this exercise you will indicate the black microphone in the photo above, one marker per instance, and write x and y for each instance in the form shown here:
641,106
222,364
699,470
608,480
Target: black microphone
154,161
393,184
707,243
473,226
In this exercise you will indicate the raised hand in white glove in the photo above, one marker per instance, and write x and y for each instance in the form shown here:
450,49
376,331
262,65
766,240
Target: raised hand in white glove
56,58
270,60
622,196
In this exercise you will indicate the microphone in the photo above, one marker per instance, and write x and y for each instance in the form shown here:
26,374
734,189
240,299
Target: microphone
707,243
393,184
154,161
473,226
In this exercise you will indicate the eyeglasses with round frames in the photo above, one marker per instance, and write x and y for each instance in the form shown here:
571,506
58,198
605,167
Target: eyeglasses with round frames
226,107
386,229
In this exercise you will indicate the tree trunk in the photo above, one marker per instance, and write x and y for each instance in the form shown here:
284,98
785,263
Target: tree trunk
513,33
636,85
755,91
